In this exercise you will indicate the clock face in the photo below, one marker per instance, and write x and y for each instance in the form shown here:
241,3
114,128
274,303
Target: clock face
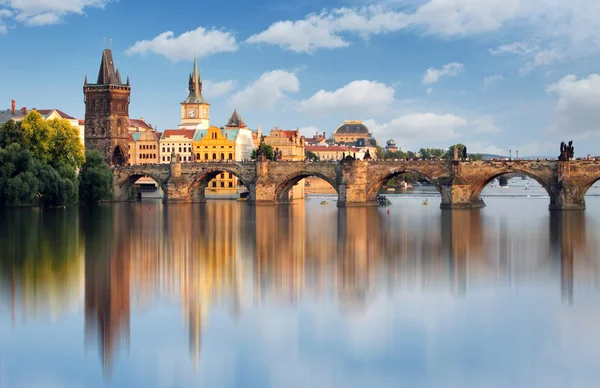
192,113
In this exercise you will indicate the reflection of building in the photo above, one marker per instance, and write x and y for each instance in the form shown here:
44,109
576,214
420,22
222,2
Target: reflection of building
107,113
195,111
107,279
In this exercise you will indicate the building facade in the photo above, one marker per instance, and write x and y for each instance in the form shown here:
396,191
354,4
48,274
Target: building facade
195,111
177,142
290,144
107,113
144,147
353,131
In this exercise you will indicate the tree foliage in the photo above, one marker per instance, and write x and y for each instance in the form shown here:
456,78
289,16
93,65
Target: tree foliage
65,146
312,156
95,179
267,151
449,155
432,153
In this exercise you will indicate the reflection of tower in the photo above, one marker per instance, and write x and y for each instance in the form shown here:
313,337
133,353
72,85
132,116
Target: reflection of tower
463,232
107,293
568,229
280,252
359,253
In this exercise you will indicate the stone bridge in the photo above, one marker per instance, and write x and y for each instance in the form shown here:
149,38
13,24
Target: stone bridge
357,182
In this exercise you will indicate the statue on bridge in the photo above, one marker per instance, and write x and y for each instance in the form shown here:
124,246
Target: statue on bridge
567,151
465,155
367,155
455,153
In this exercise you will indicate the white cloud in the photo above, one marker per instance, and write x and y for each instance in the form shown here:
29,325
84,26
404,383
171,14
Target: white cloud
578,106
266,91
531,52
45,12
433,75
301,36
199,42
310,131
517,48
217,89
488,81
418,130
359,97
485,125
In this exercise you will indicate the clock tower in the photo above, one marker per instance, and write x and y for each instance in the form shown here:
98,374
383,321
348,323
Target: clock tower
195,111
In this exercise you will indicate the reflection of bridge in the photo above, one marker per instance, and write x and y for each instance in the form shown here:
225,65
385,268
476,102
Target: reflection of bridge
357,182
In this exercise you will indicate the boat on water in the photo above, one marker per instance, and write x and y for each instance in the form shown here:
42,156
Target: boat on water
425,202
324,203
245,199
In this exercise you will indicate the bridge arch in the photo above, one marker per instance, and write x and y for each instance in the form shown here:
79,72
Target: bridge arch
126,179
483,182
587,186
200,180
285,185
378,182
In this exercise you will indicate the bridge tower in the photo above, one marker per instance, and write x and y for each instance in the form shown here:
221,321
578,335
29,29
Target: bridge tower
107,113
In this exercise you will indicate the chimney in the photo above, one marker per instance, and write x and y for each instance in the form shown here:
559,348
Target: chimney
13,106
24,111
142,120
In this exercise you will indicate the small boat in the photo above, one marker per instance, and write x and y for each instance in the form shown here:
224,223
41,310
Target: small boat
242,199
425,202
324,203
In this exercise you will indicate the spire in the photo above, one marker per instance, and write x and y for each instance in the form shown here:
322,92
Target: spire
107,74
195,87
236,120
119,77
85,82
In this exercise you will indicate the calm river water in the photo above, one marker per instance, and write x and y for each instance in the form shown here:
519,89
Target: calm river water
309,295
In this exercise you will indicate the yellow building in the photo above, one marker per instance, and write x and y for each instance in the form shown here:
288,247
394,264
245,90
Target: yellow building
217,145
290,144
353,132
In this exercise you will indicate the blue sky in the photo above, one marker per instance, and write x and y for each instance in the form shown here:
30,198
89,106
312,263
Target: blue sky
497,75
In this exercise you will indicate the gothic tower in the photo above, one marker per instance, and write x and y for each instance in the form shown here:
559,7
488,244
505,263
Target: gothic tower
195,111
107,113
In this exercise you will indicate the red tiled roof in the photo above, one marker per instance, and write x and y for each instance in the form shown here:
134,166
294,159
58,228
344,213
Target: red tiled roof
81,122
327,148
188,133
139,123
130,137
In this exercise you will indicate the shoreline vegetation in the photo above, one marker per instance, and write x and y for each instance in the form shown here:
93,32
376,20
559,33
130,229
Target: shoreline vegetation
42,164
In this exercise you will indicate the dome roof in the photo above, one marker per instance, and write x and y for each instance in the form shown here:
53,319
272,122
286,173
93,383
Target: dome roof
352,127
391,142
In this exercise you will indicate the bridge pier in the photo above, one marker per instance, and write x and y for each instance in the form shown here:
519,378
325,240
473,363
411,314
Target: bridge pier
459,196
566,197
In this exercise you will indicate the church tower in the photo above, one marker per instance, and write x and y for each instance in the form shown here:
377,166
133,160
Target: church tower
195,111
107,113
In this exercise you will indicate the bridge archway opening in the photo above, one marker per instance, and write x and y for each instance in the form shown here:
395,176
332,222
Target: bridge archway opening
219,183
142,187
513,183
592,188
404,182
304,183
118,156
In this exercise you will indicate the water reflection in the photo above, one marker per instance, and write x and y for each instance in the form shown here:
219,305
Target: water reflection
123,261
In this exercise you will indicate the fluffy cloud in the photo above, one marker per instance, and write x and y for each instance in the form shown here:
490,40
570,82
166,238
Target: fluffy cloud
578,106
200,42
266,91
531,52
488,81
433,75
44,12
358,97
310,131
485,125
417,130
217,89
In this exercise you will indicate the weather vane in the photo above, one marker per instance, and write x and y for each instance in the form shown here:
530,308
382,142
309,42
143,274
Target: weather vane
103,43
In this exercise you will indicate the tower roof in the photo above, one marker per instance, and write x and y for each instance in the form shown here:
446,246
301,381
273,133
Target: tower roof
195,87
107,74
235,120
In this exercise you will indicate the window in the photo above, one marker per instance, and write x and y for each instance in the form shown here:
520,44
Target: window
230,184
222,156
230,157
179,149
163,149
214,156
206,156
222,146
230,175
222,184
222,175
197,156
214,184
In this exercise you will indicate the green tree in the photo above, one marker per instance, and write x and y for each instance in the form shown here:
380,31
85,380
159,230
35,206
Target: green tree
266,149
11,132
18,182
432,153
95,179
312,156
395,155
58,185
449,155
65,146
38,134
379,154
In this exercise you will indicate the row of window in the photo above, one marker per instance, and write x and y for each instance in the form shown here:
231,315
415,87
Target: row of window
147,156
214,156
185,149
214,146
148,146
183,158
214,184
